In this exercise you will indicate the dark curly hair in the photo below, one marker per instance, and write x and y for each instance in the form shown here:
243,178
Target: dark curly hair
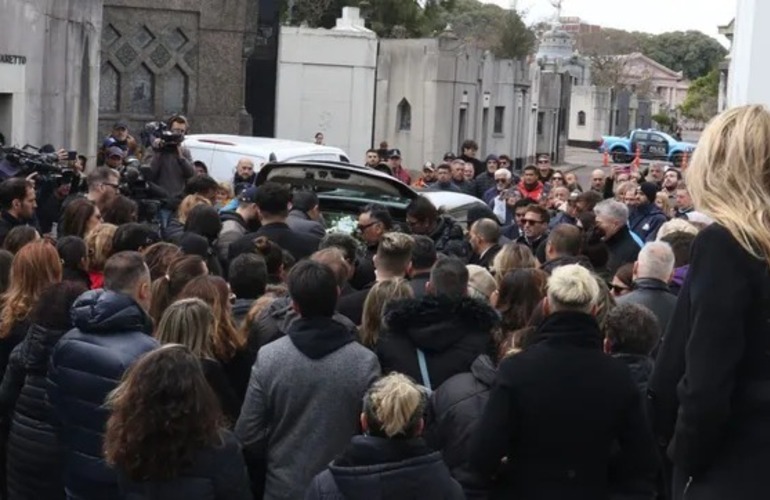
163,413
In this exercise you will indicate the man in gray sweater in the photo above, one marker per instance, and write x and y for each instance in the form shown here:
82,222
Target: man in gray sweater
305,393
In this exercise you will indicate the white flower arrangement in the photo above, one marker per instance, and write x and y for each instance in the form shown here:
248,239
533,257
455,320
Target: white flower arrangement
346,224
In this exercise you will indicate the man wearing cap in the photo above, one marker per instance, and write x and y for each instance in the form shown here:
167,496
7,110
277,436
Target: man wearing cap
399,172
646,218
305,214
113,157
485,181
428,176
122,139
236,223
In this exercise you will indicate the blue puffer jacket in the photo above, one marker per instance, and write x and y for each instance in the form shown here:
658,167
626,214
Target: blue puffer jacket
111,332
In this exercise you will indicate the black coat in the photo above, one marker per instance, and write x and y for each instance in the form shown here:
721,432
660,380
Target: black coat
173,230
451,334
487,258
111,332
229,402
385,469
297,244
8,344
77,276
550,265
449,238
655,296
555,412
713,364
8,222
623,249
483,183
217,474
32,443
454,410
240,309
352,305
645,221
418,283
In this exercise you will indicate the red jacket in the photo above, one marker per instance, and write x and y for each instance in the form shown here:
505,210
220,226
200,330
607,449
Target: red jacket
534,194
402,175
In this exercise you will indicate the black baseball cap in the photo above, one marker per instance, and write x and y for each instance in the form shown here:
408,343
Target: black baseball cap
394,153
249,195
450,156
120,124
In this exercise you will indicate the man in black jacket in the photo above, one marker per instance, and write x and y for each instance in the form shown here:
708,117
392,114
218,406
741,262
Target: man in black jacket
244,176
112,330
561,409
652,272
484,240
446,328
423,217
273,201
423,258
373,222
470,151
563,247
612,221
17,200
535,230
305,214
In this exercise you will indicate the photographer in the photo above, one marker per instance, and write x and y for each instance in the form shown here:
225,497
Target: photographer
120,138
17,200
171,163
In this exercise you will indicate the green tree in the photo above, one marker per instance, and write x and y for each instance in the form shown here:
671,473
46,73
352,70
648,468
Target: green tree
702,97
517,41
692,52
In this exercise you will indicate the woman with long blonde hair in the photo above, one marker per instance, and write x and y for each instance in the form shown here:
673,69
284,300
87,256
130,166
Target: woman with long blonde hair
34,268
390,460
709,390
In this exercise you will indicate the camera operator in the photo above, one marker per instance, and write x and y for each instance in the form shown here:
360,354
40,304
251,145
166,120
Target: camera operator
18,204
171,164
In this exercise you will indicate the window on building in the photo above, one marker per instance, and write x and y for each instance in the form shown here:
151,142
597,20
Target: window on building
581,118
540,120
404,116
499,120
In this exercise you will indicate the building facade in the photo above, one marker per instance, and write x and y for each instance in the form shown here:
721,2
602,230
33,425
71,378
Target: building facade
326,81
728,31
666,85
433,94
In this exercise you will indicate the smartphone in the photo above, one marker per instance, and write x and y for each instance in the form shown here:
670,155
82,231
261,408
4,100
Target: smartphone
72,155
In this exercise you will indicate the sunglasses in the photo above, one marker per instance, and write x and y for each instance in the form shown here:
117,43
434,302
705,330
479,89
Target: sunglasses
557,178
500,181
530,222
540,162
364,227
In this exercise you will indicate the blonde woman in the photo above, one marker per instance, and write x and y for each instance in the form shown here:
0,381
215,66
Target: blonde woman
511,257
173,231
709,389
191,323
99,248
663,203
378,298
391,448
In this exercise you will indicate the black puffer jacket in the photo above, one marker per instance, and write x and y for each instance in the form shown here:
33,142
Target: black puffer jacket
386,469
240,309
32,444
640,368
451,334
453,412
111,332
449,238
275,320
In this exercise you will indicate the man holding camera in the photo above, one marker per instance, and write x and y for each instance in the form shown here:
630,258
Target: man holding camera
171,163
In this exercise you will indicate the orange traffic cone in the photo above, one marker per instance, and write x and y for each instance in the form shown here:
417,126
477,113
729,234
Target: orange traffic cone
685,160
606,161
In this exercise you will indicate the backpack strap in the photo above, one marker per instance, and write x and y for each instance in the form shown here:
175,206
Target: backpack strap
423,369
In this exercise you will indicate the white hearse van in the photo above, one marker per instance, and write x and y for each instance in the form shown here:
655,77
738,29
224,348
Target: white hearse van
221,152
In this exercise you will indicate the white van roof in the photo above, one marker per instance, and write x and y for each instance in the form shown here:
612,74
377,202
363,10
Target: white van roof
275,146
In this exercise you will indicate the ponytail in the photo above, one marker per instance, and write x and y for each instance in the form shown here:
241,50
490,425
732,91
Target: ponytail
394,407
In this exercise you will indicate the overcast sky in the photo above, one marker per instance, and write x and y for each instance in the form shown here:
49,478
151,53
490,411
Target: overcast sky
653,16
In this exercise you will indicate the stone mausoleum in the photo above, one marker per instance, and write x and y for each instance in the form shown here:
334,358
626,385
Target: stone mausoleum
70,68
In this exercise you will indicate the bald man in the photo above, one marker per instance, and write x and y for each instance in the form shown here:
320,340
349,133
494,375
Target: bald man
597,181
244,175
484,240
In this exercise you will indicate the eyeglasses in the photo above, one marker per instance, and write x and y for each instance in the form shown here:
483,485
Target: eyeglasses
530,222
558,178
364,227
500,181
540,162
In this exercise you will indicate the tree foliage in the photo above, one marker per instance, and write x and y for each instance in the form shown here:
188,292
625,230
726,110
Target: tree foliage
484,25
702,97
691,52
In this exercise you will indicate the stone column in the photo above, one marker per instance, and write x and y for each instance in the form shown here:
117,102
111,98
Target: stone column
749,81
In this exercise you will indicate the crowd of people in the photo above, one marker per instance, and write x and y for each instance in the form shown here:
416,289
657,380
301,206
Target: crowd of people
567,344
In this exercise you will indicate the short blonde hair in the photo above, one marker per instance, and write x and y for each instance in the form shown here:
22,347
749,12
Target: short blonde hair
572,288
676,226
481,283
99,246
188,203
